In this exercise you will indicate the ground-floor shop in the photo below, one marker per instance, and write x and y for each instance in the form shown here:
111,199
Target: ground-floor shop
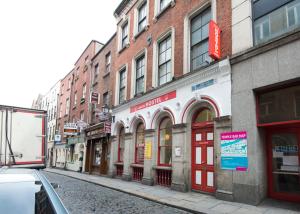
266,105
59,155
169,137
75,153
50,159
97,150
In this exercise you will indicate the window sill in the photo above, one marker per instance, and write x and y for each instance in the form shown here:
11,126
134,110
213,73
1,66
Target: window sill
141,32
162,167
119,163
106,74
161,12
123,48
137,165
82,100
95,83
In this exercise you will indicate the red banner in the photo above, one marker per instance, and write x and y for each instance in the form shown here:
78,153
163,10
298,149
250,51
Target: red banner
155,101
214,41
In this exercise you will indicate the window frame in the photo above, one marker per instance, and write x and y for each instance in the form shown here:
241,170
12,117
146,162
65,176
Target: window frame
164,40
120,87
142,77
124,38
107,62
143,5
159,146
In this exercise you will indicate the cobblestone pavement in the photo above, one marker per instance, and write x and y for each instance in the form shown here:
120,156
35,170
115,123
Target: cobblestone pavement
83,197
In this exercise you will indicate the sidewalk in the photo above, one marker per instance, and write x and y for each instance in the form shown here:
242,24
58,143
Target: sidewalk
190,201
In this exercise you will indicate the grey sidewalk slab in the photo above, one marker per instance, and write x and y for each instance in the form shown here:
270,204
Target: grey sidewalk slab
190,201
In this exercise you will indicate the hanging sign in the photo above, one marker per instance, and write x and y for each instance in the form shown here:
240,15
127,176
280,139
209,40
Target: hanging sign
214,41
94,97
148,150
70,129
234,151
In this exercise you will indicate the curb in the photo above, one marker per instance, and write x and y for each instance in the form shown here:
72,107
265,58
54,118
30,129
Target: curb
131,193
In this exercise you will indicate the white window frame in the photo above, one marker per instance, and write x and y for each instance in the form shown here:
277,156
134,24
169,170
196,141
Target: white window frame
107,62
82,115
168,32
133,71
136,17
84,90
118,83
67,106
158,10
75,98
187,31
120,27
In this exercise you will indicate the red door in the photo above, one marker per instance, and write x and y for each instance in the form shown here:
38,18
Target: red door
284,163
203,157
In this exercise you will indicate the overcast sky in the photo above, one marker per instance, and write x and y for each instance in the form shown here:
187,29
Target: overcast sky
40,40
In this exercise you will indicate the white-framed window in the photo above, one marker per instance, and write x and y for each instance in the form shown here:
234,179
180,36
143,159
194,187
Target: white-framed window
96,70
82,115
75,98
142,17
165,60
69,83
67,106
107,62
124,35
140,64
122,85
199,39
84,91
106,99
163,4
60,110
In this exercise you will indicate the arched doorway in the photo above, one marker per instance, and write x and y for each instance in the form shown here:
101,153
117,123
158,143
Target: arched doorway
202,158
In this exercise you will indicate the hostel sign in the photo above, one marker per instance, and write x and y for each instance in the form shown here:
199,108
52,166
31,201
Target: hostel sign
234,151
214,40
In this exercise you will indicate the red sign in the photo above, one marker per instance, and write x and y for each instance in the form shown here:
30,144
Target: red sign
155,101
94,97
214,40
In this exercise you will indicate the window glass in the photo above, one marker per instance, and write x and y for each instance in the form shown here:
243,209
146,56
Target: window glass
164,60
140,143
164,3
204,116
140,72
278,22
125,35
122,86
279,105
142,16
199,39
165,142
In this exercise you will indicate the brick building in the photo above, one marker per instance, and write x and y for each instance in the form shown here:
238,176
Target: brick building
171,98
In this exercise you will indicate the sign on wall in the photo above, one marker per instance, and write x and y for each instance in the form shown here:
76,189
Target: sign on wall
148,150
214,49
70,129
57,138
152,102
234,151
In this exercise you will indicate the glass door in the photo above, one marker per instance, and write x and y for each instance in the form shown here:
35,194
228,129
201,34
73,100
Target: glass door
284,163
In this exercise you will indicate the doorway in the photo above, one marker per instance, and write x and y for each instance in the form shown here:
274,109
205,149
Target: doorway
283,145
202,169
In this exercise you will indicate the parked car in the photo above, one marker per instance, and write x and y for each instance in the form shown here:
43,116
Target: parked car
27,191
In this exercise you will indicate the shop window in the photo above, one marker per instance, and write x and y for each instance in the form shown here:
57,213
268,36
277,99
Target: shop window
279,105
165,142
140,73
139,144
274,19
204,116
165,60
199,39
121,145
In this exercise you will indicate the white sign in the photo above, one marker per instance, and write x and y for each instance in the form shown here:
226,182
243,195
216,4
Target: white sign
177,151
57,138
70,126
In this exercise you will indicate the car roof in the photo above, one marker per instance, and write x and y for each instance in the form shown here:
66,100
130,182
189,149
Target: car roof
12,175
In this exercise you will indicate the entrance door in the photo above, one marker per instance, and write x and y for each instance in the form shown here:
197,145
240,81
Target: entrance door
284,163
203,153
104,166
96,160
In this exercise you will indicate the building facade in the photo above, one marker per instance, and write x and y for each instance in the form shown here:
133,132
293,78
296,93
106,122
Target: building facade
265,98
172,97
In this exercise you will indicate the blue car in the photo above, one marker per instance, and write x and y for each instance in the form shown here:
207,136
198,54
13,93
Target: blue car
27,191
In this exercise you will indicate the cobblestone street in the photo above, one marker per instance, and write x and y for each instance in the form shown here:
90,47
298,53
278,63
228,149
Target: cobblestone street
83,197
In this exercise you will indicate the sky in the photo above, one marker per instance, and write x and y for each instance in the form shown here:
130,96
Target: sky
40,40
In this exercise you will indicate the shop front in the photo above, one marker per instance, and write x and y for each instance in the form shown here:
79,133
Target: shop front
98,149
169,137
75,155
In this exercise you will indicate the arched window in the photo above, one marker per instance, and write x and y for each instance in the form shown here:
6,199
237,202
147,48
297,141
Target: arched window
121,145
165,142
139,144
204,116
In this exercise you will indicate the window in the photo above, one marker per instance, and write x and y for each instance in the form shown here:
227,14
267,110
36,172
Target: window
69,84
107,62
273,20
96,72
84,91
121,145
165,142
164,60
67,106
142,17
60,110
125,38
199,39
106,99
82,115
164,3
204,116
139,144
75,98
122,85
72,152
139,75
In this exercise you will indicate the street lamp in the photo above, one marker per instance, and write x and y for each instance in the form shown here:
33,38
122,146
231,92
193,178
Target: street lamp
105,109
